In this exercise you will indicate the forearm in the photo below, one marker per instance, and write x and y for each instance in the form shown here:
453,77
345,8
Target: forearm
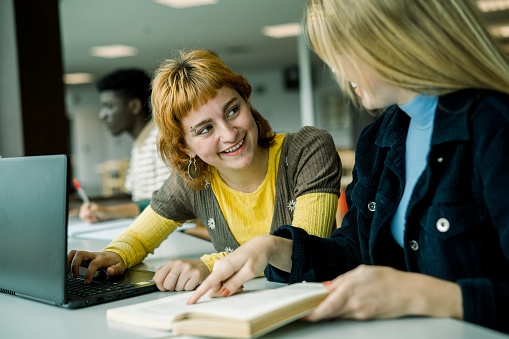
313,258
277,250
434,297
141,238
280,253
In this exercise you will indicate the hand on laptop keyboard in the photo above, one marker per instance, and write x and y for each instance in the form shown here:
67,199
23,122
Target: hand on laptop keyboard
110,262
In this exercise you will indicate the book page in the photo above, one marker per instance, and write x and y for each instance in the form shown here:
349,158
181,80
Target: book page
156,313
246,306
252,304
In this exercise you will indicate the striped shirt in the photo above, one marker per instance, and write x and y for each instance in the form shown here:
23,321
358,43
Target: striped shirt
147,171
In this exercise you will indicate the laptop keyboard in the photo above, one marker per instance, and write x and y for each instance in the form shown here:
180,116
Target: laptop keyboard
77,287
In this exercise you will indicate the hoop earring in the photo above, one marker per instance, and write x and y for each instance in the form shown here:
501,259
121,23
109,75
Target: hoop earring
259,128
193,173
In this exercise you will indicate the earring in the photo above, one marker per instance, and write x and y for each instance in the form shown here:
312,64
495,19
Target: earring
193,171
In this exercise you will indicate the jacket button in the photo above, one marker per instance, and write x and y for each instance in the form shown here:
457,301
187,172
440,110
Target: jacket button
414,246
443,225
372,206
440,160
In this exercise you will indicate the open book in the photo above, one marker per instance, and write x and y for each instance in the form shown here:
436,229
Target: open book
248,314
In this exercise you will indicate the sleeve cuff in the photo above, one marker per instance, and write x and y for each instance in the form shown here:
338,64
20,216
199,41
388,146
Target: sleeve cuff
479,302
210,259
301,263
142,204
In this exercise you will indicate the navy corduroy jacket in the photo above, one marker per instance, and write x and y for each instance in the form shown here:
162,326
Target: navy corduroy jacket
457,225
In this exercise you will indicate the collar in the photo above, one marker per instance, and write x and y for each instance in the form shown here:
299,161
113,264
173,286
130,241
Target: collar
451,120
145,132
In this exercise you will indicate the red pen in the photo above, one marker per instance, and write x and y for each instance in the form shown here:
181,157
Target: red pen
81,192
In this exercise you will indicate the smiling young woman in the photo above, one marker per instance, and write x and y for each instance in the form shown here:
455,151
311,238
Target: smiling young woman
230,170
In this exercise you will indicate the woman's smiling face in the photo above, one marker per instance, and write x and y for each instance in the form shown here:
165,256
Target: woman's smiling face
222,132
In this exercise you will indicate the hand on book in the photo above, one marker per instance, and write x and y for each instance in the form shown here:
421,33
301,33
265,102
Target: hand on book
369,292
245,263
180,275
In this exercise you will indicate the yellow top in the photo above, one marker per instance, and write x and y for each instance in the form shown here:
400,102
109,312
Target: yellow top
247,214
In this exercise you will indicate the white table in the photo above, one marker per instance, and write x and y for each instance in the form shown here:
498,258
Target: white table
20,318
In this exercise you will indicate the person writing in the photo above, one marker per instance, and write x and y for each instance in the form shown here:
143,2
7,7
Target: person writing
427,227
230,170
125,108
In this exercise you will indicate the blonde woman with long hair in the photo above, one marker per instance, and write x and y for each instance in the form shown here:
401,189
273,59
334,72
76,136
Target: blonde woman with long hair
427,229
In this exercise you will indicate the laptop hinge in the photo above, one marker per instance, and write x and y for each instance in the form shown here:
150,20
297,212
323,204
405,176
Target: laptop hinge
7,291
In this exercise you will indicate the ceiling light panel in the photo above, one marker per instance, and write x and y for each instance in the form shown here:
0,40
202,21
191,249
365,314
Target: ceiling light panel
78,78
283,31
113,51
493,5
185,3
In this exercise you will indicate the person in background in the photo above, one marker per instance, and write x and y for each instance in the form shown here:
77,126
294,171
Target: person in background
427,227
125,108
230,170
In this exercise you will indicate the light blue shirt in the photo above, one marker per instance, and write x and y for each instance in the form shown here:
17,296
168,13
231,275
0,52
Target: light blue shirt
421,111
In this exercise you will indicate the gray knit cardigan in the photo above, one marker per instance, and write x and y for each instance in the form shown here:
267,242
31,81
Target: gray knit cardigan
309,163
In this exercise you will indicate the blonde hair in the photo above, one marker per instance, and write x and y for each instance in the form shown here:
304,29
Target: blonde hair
184,84
426,46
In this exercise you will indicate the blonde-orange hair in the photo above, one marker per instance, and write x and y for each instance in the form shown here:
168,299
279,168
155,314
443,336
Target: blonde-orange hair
183,84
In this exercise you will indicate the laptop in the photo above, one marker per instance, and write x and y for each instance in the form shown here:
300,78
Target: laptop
33,238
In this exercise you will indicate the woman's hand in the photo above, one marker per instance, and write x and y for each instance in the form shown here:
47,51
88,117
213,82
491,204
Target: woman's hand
181,275
245,263
370,292
94,261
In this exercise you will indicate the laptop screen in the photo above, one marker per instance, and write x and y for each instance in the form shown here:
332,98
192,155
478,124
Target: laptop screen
33,222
